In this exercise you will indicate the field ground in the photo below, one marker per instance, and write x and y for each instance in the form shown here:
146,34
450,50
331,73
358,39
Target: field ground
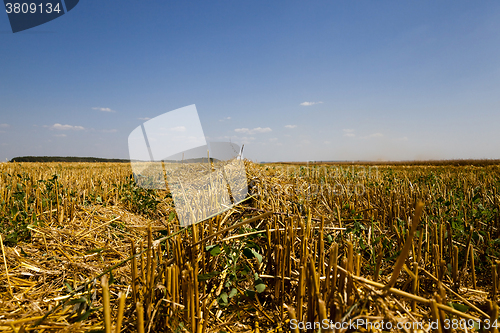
83,249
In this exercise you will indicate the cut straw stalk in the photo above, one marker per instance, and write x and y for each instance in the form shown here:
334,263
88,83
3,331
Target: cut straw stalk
322,313
358,264
321,247
301,291
331,277
406,248
350,266
415,286
121,308
106,305
473,267
455,266
5,265
134,271
435,315
380,255
494,277
148,270
140,317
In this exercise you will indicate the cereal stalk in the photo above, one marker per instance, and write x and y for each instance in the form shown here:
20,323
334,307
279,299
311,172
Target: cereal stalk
406,248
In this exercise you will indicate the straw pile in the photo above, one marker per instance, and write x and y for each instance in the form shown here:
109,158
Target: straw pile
59,259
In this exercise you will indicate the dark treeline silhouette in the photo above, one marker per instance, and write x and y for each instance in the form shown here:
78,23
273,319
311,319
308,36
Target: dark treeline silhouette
66,159
98,159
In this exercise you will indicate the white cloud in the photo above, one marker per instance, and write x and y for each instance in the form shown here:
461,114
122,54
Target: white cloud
326,142
254,130
290,126
104,109
273,139
349,133
225,118
4,125
60,135
178,129
373,135
66,127
145,118
404,138
113,130
310,103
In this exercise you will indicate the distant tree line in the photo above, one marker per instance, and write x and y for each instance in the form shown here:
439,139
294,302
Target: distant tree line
66,159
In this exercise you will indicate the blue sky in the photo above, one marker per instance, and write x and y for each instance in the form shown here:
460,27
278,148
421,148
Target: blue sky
292,80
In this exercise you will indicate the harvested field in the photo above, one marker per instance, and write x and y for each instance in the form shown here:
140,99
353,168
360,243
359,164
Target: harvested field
84,249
